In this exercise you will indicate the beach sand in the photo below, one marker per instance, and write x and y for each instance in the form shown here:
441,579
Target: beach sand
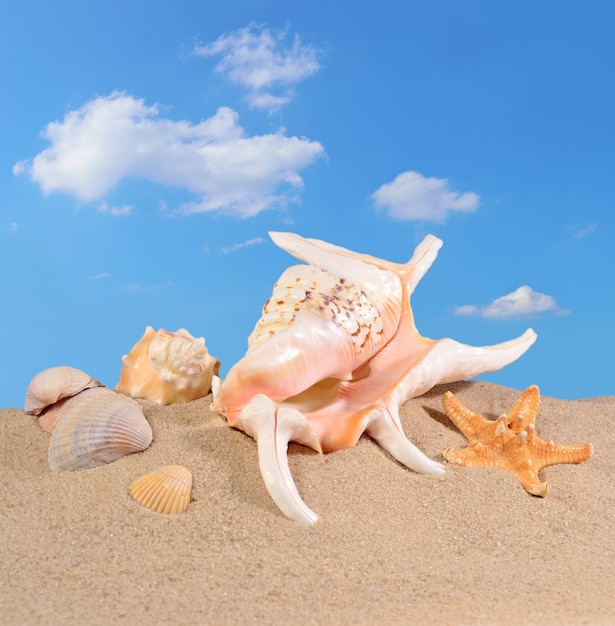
390,546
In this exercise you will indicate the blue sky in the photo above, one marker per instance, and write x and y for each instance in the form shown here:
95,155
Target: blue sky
148,147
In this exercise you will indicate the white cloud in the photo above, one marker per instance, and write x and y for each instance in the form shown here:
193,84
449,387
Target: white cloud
579,232
99,276
115,210
118,136
523,302
13,226
255,58
20,167
411,196
244,244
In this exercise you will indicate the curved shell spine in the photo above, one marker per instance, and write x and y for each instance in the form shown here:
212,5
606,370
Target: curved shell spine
165,490
54,384
99,426
168,367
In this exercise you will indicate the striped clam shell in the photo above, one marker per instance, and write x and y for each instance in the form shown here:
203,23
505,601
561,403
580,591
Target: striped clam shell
54,384
99,426
165,490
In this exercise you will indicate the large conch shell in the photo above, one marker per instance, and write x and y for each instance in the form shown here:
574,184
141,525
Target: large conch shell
98,426
167,367
335,353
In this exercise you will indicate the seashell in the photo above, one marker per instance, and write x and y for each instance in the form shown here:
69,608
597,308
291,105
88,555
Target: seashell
168,367
98,426
165,490
54,384
335,354
51,416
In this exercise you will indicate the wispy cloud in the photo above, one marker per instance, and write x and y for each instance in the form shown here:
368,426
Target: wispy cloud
138,287
118,136
100,276
238,246
115,210
13,227
580,231
523,302
255,58
412,196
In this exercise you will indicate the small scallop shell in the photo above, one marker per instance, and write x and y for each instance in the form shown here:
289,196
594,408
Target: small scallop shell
167,367
99,426
54,384
166,490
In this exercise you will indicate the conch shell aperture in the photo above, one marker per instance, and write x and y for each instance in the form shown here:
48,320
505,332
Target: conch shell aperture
335,354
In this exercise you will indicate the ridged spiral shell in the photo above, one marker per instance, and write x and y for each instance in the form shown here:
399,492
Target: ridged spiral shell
54,384
168,367
99,426
165,490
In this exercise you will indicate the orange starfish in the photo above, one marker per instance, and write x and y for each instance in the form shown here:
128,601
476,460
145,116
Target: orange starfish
510,442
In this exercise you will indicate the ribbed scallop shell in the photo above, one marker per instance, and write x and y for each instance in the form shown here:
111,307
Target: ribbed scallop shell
168,367
165,490
99,426
54,384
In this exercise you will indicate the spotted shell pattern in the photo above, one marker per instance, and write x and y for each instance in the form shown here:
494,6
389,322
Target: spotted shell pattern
309,291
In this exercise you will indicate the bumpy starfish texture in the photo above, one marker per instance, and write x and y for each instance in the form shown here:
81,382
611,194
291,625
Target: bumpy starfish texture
510,442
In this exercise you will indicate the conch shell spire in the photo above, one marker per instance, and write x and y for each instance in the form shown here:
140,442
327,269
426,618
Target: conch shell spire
335,353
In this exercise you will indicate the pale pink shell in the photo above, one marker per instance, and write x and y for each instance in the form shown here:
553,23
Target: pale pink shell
99,426
54,384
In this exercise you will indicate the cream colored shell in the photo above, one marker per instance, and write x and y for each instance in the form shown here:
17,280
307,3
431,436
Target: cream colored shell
167,367
98,426
54,384
165,490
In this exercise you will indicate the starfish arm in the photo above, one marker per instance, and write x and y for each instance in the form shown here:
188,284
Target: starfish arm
547,453
472,425
524,410
480,455
530,481
476,455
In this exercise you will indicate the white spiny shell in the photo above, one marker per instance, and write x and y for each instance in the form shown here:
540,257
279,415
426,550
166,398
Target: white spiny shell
99,426
168,367
335,354
55,384
165,490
